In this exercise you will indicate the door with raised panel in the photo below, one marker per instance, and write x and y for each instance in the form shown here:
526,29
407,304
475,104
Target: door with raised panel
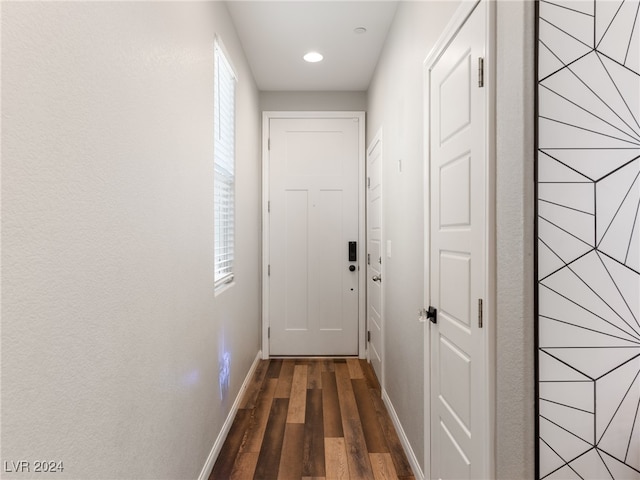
313,215
458,229
374,255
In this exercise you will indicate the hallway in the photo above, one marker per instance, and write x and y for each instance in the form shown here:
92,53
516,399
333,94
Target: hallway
120,357
316,418
123,356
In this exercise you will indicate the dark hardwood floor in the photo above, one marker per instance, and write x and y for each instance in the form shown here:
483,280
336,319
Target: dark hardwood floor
305,419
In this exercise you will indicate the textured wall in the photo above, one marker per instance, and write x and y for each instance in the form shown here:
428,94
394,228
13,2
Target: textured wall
589,239
313,101
112,340
515,377
396,106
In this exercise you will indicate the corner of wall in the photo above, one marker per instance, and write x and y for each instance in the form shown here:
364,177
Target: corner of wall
515,445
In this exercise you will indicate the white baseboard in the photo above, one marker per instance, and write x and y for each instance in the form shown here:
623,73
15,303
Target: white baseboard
411,456
224,431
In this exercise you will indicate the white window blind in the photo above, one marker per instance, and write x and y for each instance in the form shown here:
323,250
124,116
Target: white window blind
224,166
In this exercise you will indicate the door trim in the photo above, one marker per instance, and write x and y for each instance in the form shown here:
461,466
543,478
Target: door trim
362,306
453,27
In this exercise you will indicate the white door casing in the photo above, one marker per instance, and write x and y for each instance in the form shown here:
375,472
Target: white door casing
457,273
313,167
375,277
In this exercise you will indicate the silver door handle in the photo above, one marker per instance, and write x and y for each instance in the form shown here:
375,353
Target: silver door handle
377,278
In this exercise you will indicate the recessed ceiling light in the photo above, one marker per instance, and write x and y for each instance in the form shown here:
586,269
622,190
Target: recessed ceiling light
313,57
360,30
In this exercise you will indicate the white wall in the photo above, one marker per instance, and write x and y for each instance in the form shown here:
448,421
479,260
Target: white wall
515,421
396,106
313,101
111,334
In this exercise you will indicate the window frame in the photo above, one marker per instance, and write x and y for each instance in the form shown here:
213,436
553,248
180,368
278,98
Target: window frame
224,156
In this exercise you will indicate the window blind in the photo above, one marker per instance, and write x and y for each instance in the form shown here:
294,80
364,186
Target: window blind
224,167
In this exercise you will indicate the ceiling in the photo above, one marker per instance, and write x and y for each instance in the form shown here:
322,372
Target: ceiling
276,34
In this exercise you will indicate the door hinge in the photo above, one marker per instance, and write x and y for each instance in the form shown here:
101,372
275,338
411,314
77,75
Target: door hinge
368,335
368,259
479,313
480,72
269,206
268,270
269,144
368,182
268,332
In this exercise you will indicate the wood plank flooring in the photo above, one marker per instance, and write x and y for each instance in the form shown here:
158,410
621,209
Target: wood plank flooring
312,419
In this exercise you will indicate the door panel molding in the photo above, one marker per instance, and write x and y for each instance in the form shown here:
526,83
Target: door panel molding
267,116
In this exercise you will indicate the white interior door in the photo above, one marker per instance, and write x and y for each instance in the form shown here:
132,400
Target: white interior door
458,199
374,255
313,193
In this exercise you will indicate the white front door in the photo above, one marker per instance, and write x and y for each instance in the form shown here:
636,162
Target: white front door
374,254
458,226
313,193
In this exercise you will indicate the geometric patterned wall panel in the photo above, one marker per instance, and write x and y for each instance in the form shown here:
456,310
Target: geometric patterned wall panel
588,244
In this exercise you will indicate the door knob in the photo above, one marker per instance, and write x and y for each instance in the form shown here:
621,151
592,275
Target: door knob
352,268
432,314
377,278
